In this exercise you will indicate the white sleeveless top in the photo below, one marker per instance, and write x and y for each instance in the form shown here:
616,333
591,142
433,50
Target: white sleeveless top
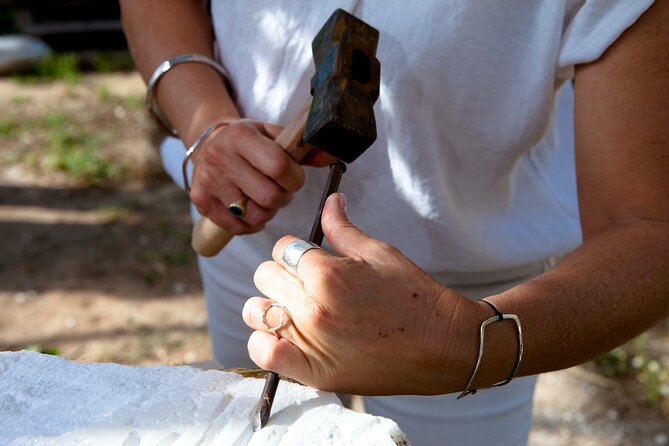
473,168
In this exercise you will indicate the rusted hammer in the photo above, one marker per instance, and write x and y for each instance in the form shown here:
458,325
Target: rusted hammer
338,119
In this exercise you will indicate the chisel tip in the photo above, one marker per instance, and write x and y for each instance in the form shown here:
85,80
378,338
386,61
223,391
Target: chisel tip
266,400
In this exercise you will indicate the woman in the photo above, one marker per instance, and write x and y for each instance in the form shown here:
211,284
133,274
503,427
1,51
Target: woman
488,165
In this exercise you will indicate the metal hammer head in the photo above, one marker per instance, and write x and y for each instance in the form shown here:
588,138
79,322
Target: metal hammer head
344,88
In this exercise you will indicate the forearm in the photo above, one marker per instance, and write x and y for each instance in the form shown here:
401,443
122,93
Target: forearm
613,287
191,95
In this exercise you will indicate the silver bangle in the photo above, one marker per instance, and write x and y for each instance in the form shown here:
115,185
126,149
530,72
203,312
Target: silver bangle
496,318
200,140
164,68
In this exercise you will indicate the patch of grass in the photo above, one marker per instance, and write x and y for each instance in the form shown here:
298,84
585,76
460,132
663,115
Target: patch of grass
133,101
76,154
168,258
42,349
11,157
19,100
110,61
116,213
67,147
68,66
634,361
59,66
181,258
104,93
7,127
53,121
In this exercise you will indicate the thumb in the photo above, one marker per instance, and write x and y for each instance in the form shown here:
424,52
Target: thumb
342,235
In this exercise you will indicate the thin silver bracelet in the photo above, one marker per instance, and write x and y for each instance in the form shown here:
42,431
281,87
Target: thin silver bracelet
211,129
164,68
496,318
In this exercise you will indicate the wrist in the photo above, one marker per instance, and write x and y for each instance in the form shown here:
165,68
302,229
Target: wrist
204,117
192,96
457,320
459,339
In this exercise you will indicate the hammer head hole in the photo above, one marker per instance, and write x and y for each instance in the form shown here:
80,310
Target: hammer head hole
361,67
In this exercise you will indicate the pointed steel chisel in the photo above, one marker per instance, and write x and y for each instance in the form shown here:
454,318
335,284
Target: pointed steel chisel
337,169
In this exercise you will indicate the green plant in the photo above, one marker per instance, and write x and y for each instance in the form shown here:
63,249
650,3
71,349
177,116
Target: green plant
59,66
133,101
52,121
635,361
181,258
62,144
116,213
42,349
19,100
110,61
7,127
614,364
76,154
104,93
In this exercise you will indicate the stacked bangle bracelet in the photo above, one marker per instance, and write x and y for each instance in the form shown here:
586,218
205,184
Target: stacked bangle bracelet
164,68
496,318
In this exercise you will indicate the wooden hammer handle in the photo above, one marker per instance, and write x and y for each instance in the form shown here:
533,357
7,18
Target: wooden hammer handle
208,238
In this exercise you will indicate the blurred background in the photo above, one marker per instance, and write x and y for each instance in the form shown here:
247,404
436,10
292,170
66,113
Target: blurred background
95,257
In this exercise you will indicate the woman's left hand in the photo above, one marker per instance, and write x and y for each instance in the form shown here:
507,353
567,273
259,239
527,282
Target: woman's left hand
367,322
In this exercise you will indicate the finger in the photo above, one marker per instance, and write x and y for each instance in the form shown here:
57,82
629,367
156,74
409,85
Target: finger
263,191
211,189
212,208
254,218
276,283
316,258
342,235
279,356
268,157
240,176
241,156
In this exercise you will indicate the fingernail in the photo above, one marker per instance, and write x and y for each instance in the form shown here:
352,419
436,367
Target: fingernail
342,201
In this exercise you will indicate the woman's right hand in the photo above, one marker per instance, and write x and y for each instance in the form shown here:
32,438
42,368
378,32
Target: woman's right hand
242,158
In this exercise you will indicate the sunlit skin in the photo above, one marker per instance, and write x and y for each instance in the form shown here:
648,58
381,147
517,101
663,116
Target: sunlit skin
369,320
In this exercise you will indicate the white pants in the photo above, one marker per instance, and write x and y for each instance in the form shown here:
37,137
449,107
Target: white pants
499,416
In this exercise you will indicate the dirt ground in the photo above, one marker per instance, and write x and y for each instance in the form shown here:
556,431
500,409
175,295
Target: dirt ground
95,264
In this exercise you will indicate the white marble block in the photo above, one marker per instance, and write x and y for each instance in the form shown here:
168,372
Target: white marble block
46,400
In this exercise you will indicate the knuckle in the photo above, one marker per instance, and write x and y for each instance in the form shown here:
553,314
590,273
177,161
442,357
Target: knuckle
214,155
258,217
280,166
283,168
386,248
239,131
201,200
280,245
272,197
233,131
326,277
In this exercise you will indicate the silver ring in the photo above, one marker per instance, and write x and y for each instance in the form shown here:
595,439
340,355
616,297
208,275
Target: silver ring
294,252
278,326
